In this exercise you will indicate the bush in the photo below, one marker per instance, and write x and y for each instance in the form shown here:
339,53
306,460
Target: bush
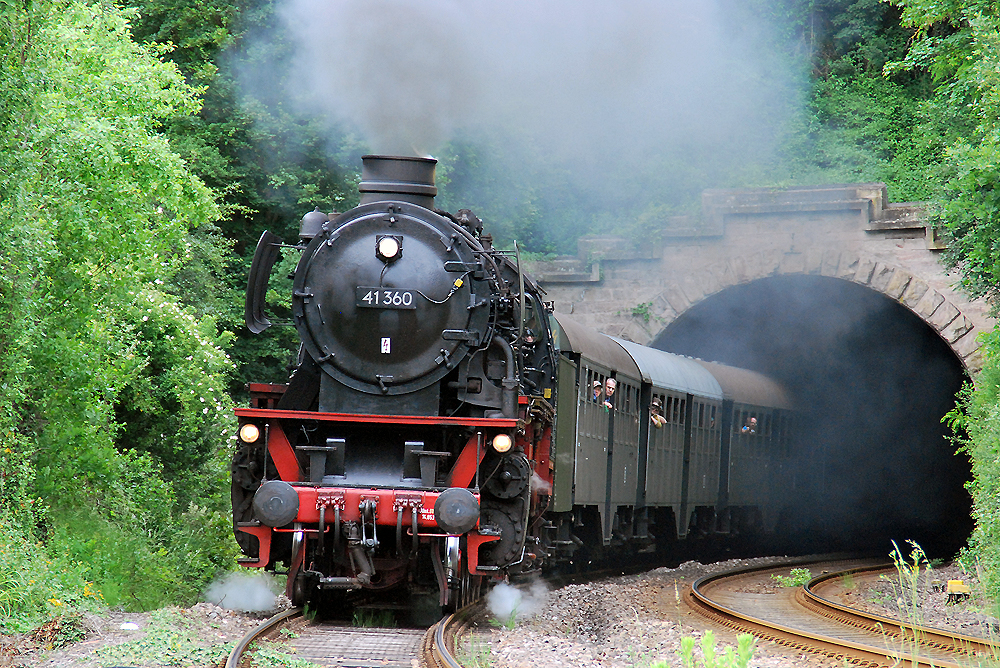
35,585
134,570
977,420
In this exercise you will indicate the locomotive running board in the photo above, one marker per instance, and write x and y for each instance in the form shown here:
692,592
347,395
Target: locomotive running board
260,274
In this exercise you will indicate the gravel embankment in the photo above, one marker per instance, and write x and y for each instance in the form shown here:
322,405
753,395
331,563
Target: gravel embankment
636,621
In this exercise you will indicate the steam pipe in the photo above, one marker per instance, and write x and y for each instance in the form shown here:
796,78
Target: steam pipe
508,405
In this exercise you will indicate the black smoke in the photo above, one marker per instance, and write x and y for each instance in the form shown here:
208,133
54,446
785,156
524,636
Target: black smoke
872,382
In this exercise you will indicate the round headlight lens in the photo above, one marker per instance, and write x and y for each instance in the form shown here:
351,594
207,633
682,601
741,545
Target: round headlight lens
502,442
388,248
249,433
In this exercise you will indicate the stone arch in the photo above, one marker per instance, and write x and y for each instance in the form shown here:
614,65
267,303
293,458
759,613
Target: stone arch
895,282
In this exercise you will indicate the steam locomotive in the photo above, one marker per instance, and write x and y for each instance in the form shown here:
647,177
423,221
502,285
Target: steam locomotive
443,427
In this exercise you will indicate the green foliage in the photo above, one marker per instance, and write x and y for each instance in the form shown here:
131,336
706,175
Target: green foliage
475,653
112,375
976,420
868,129
62,629
710,658
35,586
906,585
796,578
959,43
274,655
643,311
374,619
165,642
140,565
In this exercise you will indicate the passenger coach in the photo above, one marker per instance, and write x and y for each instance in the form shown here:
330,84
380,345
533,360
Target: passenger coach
679,448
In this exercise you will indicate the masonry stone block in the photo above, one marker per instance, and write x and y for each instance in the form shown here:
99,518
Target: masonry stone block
831,263
848,265
974,361
767,232
943,316
814,261
897,283
692,289
914,293
966,344
881,276
739,265
636,331
770,262
707,281
753,268
725,276
928,304
956,329
662,307
793,263
675,297
866,269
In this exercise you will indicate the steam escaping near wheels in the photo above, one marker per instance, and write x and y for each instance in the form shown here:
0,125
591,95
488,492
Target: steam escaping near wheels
246,592
510,604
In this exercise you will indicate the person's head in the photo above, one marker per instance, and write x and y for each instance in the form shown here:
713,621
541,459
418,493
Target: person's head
609,386
596,386
753,422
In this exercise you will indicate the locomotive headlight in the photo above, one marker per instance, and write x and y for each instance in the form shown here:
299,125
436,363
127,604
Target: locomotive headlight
502,442
388,248
249,433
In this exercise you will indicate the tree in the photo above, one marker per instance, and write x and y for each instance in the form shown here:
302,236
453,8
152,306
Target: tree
96,220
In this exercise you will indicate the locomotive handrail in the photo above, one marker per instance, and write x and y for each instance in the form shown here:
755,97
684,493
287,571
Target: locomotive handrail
502,423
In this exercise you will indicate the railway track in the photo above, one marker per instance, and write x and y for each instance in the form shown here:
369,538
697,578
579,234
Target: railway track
353,647
808,619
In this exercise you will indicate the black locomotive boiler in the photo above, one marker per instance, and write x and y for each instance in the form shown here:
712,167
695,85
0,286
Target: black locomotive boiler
443,427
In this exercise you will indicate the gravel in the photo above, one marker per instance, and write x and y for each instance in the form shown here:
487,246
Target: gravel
629,621
636,621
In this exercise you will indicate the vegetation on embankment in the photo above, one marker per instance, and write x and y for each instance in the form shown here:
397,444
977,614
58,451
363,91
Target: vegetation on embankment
113,403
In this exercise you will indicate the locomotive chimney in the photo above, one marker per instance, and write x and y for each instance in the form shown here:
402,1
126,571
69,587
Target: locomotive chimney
393,178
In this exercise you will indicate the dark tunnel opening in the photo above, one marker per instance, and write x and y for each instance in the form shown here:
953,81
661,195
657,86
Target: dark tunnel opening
871,381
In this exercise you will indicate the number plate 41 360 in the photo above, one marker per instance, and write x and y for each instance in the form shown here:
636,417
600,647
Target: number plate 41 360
384,298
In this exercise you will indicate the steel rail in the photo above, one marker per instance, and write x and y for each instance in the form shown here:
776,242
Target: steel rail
441,640
842,649
948,641
237,654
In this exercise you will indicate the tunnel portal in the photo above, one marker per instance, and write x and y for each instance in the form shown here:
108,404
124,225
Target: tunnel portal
872,382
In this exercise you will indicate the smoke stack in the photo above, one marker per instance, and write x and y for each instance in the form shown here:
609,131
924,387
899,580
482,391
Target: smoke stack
388,178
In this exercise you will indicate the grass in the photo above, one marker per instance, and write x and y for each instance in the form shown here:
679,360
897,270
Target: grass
266,654
167,642
739,657
476,653
170,641
509,622
382,619
796,578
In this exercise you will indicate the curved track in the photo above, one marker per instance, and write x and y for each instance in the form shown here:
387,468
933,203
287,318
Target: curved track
350,647
805,618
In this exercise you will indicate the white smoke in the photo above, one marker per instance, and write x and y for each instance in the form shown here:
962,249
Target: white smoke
538,484
247,592
511,604
577,77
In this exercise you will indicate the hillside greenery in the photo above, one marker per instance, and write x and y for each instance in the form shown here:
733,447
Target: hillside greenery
136,177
